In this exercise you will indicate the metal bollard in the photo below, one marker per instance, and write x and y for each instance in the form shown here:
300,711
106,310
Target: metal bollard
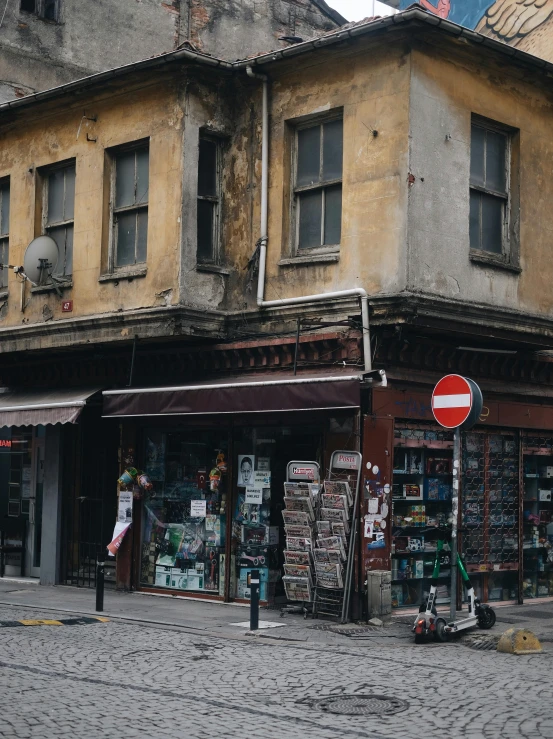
100,585
254,600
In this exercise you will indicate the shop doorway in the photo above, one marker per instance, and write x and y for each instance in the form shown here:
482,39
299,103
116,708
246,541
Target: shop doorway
34,505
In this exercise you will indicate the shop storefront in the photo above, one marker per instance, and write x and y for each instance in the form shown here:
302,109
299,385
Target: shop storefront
215,459
505,511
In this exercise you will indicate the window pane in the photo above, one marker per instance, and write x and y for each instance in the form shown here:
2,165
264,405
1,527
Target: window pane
332,150
206,213
124,180
69,208
5,210
50,10
28,5
142,175
309,155
142,240
55,196
4,259
333,214
474,220
495,161
310,205
492,224
207,168
63,236
126,239
478,136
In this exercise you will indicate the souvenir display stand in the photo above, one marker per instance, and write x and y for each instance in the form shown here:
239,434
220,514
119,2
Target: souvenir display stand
301,492
336,533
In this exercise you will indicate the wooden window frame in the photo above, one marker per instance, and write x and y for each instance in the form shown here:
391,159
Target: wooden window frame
215,199
46,224
113,269
296,192
510,251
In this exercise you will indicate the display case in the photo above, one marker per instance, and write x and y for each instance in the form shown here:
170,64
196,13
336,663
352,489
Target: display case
537,513
421,502
490,512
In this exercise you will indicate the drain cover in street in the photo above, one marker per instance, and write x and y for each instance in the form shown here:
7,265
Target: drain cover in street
345,629
360,705
483,642
262,625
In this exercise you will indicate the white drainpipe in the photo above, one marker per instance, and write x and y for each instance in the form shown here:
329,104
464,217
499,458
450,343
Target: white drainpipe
261,302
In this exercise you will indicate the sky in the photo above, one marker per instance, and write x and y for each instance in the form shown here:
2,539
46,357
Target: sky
356,10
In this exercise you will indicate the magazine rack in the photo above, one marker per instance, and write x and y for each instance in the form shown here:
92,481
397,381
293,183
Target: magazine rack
332,597
302,484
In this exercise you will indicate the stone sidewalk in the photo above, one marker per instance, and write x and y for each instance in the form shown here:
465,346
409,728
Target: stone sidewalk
218,618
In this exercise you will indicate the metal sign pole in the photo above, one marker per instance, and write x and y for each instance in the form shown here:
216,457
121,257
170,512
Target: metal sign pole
455,516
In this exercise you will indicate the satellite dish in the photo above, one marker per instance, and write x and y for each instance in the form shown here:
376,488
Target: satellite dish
41,259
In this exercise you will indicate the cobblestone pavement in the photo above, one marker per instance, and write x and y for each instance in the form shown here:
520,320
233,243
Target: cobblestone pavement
119,680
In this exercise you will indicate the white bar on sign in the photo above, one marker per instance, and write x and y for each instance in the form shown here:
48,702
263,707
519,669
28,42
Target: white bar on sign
451,401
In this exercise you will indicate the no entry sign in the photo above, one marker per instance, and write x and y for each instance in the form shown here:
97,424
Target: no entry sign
456,401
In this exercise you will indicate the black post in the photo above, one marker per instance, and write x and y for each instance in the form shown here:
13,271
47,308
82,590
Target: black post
254,600
100,585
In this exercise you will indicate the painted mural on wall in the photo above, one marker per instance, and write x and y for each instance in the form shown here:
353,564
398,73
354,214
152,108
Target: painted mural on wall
526,24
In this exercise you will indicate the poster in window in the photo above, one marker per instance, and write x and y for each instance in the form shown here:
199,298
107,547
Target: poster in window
246,465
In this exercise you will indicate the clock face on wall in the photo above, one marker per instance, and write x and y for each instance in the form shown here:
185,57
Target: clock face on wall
527,25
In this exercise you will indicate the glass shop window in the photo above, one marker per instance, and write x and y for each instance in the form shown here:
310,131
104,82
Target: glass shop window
130,206
318,185
259,471
184,514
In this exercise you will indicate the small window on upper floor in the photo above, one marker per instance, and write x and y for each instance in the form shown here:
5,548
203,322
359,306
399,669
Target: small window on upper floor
490,192
209,197
58,212
4,232
129,206
47,9
318,185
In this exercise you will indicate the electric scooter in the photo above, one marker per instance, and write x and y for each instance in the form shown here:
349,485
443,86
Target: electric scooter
429,624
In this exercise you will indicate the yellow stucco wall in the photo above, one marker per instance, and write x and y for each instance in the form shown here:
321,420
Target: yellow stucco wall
29,144
372,89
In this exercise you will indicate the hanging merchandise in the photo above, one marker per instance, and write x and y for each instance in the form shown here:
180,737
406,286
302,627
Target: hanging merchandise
215,479
128,477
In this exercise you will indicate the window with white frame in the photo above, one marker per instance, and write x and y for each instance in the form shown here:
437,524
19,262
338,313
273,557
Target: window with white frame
4,232
58,212
318,185
209,197
129,202
490,154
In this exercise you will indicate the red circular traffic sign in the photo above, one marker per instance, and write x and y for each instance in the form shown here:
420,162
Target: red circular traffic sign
452,401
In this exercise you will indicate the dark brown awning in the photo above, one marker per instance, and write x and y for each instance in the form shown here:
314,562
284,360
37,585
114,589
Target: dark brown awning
237,396
42,407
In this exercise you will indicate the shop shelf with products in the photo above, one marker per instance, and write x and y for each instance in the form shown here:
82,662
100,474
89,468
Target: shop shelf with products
421,500
537,525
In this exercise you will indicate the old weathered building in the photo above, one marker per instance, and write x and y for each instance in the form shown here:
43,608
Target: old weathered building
227,225
44,43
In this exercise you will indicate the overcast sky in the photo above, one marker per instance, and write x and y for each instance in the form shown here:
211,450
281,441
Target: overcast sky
356,10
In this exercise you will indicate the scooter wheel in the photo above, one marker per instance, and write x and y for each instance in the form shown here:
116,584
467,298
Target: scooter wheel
486,617
440,634
420,639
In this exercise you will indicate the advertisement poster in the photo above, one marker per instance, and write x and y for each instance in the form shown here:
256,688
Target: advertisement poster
124,509
118,535
197,509
246,465
254,495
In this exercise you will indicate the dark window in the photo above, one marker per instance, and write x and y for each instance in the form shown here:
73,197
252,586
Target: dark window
58,213
489,190
50,10
4,232
318,185
29,6
208,201
130,207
